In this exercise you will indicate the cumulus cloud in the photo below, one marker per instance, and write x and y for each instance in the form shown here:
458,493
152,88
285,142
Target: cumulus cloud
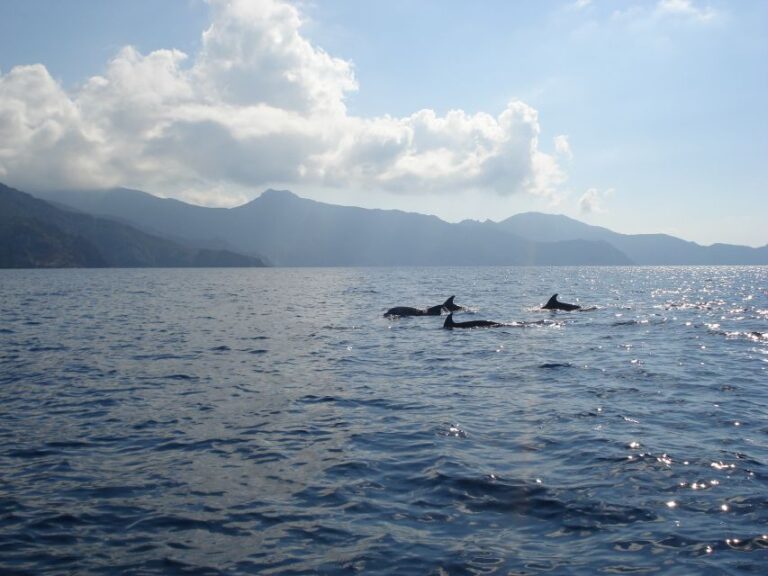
592,201
258,105
42,133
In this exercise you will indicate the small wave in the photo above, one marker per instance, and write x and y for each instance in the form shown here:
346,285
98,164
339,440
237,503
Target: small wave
47,348
468,310
160,357
61,520
545,323
265,456
709,305
752,336
312,399
355,290
748,544
179,377
26,453
696,547
68,444
756,336
379,403
493,493
452,430
653,320
177,523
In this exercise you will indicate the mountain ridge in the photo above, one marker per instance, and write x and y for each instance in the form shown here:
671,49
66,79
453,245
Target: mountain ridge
643,249
295,231
38,234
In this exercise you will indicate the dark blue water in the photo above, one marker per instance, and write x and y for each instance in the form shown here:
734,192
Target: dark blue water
271,421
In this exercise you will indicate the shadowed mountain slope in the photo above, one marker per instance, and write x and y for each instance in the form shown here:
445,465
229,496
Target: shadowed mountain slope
35,233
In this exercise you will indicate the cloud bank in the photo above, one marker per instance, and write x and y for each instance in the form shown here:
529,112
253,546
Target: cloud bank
258,105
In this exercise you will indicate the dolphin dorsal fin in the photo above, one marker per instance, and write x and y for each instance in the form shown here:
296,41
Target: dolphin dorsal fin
552,300
448,303
448,321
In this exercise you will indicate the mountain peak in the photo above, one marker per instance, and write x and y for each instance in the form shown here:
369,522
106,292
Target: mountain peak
271,193
539,216
271,196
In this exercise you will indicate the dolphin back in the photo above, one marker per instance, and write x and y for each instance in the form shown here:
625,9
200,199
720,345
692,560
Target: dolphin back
450,324
435,310
404,311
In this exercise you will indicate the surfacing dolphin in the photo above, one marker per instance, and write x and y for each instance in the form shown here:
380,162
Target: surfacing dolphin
553,304
431,311
449,306
449,324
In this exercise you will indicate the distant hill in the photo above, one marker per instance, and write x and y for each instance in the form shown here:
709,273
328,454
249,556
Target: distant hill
645,249
294,231
35,233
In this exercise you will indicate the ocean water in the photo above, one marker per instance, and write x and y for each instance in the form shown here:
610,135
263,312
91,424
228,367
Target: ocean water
272,421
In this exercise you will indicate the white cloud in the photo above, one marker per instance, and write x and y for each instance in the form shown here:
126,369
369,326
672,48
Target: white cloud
580,4
592,201
43,137
254,52
685,8
666,10
259,105
563,146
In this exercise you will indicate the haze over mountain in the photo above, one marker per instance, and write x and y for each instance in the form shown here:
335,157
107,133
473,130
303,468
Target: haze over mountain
293,231
642,249
35,233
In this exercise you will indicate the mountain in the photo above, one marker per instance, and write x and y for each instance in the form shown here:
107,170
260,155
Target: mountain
35,233
294,231
644,249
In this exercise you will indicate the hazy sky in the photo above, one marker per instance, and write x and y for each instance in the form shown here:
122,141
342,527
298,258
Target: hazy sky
642,116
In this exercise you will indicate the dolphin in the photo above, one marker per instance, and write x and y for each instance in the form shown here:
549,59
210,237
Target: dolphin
450,306
449,324
553,304
431,311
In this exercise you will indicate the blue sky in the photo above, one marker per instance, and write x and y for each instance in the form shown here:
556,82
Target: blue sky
639,116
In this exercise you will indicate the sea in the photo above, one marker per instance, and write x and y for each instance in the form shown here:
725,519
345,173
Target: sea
273,421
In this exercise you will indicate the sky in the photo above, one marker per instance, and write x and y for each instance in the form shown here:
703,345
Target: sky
640,116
